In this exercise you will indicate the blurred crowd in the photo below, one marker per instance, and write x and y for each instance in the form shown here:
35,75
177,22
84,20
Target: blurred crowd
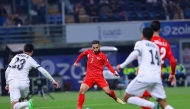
81,11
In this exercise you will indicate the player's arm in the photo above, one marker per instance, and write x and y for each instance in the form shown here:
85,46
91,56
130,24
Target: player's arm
34,64
172,60
84,53
133,55
108,65
6,74
8,68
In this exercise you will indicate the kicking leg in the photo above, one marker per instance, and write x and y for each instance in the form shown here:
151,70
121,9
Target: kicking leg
138,101
111,93
84,87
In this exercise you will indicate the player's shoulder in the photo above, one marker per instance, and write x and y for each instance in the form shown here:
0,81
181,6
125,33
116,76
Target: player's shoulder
137,43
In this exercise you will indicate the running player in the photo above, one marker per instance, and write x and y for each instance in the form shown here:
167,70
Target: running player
94,76
149,71
165,52
17,77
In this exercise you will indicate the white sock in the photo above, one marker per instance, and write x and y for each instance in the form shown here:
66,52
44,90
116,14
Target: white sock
168,107
140,102
20,105
26,106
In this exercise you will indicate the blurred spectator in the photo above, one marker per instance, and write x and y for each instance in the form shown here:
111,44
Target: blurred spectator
3,12
17,21
26,22
68,6
83,17
167,15
178,12
104,2
151,1
93,12
123,16
105,10
8,21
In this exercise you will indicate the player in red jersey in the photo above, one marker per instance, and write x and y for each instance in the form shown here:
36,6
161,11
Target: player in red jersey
165,51
95,66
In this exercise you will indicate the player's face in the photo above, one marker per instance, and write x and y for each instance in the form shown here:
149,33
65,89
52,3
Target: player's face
96,48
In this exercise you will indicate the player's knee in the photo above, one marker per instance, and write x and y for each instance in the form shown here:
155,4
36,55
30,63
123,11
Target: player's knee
14,106
82,91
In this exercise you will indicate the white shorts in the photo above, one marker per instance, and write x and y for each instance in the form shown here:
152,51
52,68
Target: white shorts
137,88
18,89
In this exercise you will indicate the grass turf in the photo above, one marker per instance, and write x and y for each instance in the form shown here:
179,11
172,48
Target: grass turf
179,98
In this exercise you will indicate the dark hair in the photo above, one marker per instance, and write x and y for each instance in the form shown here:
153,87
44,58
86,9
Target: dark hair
155,25
28,48
96,42
148,33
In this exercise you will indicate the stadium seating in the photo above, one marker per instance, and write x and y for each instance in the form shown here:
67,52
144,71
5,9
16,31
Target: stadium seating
136,10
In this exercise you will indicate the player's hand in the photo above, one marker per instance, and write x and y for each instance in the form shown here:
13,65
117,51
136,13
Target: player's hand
75,64
56,84
7,87
118,68
116,74
172,79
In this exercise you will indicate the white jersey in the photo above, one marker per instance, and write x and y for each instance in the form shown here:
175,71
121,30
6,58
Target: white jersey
149,62
20,66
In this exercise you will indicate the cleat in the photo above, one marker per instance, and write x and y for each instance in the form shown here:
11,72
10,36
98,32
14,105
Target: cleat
156,106
30,104
120,101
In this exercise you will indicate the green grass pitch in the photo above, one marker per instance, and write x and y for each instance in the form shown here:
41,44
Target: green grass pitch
179,98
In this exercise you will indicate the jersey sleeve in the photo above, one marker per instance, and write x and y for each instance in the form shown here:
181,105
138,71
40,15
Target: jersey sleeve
13,60
138,47
171,58
108,65
84,53
33,63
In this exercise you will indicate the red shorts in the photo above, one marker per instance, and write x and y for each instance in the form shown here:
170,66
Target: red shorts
146,94
101,82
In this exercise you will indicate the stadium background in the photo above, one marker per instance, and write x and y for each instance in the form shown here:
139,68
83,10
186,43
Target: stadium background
58,31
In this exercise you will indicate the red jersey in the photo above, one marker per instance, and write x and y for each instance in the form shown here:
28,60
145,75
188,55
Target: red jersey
95,63
165,51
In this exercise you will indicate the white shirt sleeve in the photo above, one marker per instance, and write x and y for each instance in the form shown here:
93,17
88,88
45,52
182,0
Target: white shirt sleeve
138,47
33,63
137,51
129,59
13,60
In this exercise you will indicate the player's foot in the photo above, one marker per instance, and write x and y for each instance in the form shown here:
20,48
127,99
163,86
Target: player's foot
120,101
156,106
30,104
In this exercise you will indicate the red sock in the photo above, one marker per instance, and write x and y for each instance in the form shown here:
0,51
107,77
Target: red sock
145,108
80,101
112,94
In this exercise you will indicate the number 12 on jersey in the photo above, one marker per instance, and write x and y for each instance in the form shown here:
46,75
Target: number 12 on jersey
154,57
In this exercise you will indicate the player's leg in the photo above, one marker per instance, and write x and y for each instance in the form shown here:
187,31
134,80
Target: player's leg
134,89
14,89
158,93
87,83
24,91
102,83
146,96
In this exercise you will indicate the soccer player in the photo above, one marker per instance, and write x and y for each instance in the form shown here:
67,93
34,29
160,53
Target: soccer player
94,76
149,71
165,52
17,77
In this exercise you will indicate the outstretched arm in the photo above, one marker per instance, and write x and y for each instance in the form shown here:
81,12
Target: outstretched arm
81,56
129,59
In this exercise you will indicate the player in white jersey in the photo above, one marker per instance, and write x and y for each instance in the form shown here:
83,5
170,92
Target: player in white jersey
17,77
149,73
